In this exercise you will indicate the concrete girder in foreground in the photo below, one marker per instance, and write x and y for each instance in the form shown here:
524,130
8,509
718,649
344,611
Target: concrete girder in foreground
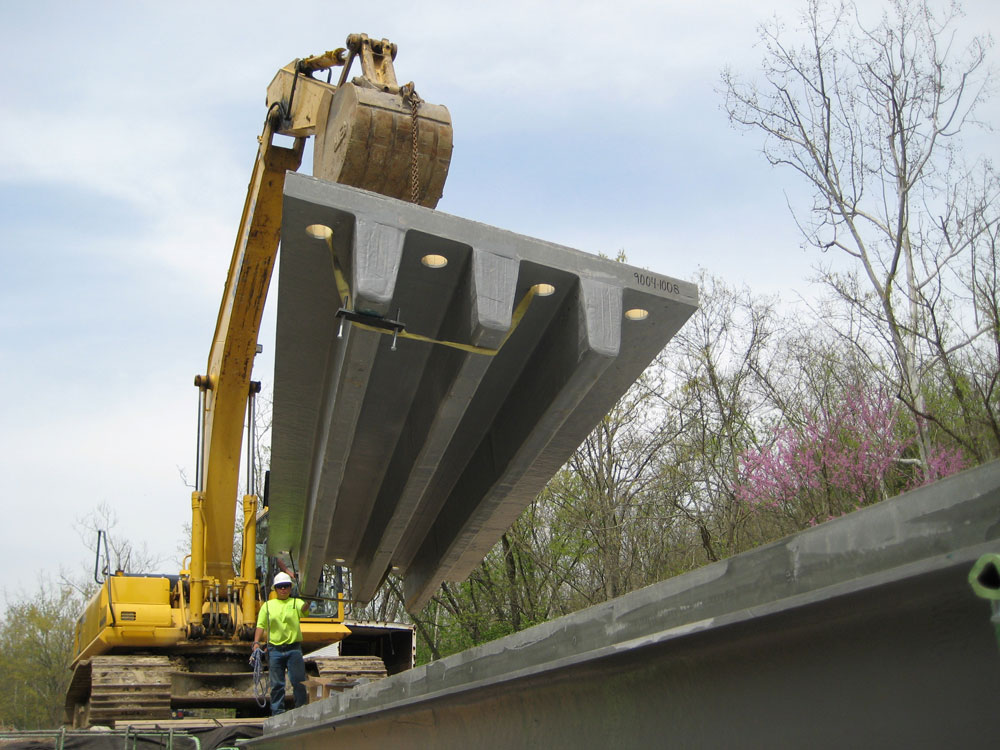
860,632
419,459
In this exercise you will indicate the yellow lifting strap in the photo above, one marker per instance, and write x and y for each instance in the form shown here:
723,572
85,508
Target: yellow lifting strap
344,290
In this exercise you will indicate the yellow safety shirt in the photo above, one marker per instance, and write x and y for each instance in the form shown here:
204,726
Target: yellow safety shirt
280,620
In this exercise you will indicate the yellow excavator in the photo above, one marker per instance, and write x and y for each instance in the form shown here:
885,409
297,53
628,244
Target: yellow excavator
147,646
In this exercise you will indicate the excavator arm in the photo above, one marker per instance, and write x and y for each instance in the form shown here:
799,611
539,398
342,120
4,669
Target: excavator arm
369,133
225,387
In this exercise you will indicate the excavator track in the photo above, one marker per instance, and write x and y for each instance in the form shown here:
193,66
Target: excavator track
123,688
120,687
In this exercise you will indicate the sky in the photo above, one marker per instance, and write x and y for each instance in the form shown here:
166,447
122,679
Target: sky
129,132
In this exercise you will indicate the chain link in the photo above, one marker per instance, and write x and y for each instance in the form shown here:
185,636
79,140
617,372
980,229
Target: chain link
411,97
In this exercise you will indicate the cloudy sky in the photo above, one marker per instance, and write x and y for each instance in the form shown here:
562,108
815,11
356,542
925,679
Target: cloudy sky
129,131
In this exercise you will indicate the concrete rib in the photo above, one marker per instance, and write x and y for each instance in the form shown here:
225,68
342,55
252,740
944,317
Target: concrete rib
570,359
448,386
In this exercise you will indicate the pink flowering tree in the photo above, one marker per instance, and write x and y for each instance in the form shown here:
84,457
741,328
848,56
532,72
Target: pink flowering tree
841,459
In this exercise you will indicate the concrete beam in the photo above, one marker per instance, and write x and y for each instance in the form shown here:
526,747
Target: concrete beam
418,459
860,632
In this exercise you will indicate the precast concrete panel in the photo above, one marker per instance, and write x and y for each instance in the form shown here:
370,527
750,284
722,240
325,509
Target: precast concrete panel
415,452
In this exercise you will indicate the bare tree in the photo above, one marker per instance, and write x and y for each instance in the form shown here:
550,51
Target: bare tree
118,551
870,116
719,364
608,501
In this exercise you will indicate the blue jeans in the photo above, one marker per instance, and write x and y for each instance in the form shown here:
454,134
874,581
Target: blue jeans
277,662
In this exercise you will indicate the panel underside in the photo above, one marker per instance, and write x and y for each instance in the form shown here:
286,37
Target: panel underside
417,459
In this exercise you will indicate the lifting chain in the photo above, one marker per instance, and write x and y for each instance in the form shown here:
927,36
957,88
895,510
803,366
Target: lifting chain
411,97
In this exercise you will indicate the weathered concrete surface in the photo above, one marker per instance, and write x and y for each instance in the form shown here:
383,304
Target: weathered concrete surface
861,632
420,458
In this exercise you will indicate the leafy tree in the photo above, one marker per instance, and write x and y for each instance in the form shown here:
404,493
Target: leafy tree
36,641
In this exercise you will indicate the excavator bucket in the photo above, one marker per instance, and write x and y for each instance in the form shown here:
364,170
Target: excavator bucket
371,133
432,374
365,138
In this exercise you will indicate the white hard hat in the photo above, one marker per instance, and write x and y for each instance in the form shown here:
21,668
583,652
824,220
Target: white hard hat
281,578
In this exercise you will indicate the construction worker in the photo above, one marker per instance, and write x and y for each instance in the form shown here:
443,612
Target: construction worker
278,628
